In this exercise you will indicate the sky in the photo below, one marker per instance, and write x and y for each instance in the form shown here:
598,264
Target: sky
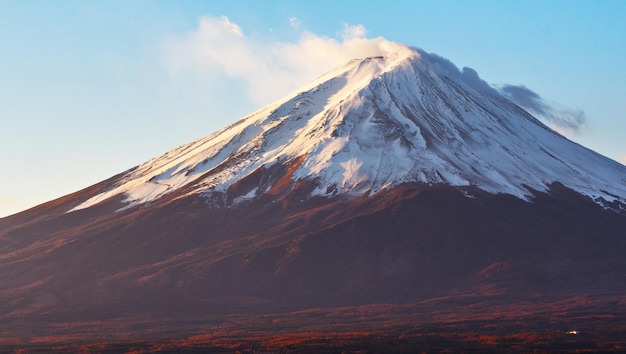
89,89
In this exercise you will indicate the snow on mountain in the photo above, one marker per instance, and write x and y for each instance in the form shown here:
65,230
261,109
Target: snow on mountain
378,122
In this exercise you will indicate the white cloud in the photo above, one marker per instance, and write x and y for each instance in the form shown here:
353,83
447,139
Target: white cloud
353,31
269,69
295,23
231,27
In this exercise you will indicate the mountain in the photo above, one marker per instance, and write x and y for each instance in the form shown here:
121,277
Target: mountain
372,124
389,181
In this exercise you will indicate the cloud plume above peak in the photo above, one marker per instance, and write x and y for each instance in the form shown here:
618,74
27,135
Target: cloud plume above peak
562,118
268,68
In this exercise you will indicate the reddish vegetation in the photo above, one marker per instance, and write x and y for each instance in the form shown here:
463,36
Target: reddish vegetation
536,326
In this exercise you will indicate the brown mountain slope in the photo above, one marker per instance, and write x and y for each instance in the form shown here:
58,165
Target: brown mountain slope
404,245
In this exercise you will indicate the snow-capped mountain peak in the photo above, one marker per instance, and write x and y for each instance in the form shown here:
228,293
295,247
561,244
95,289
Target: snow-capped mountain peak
378,122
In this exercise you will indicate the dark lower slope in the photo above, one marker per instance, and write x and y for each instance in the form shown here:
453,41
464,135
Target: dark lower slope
182,259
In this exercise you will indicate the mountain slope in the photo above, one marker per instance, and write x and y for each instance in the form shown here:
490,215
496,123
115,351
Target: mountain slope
376,123
388,181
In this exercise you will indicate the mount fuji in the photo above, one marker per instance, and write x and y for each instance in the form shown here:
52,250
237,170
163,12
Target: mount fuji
375,123
392,182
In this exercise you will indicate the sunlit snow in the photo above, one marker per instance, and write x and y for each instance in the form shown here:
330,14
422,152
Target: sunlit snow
377,122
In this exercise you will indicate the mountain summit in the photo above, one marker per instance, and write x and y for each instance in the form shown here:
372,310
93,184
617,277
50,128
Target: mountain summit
397,189
372,124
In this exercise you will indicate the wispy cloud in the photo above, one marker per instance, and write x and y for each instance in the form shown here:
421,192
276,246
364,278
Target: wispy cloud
350,32
294,22
268,68
563,119
11,203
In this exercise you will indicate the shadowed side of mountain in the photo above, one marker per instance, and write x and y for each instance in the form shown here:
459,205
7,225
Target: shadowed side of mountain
406,244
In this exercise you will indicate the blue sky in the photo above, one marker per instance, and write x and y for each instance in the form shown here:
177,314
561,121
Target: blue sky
91,88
